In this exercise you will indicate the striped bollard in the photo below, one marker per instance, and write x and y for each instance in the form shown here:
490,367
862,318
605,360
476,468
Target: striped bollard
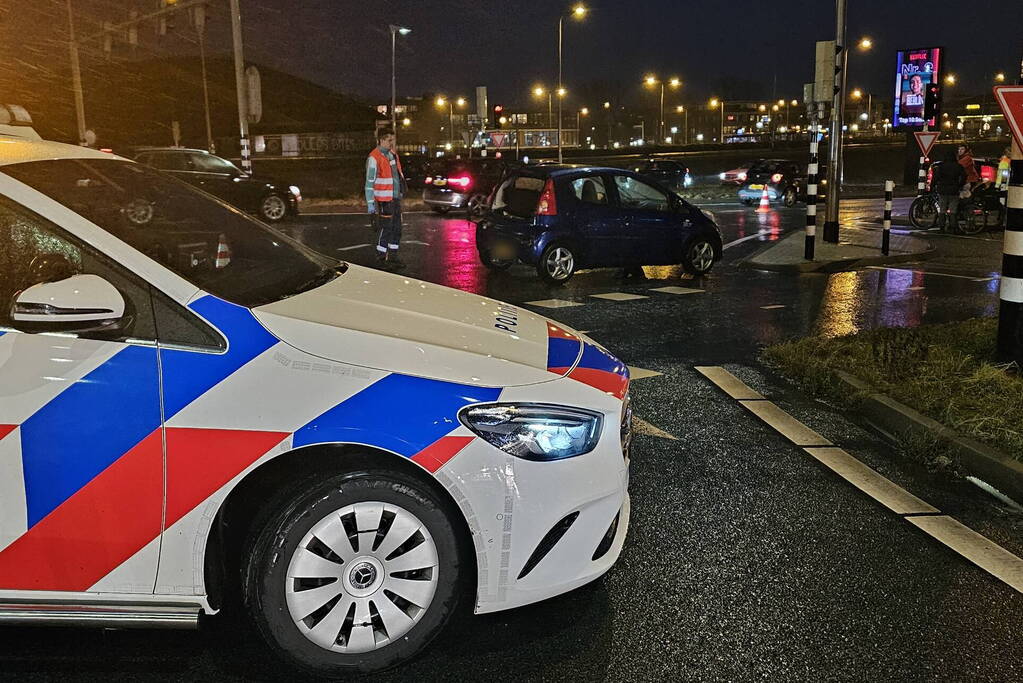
921,177
246,156
1010,310
811,196
886,235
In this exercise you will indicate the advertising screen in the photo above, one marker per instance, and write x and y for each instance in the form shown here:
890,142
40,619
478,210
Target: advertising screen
916,68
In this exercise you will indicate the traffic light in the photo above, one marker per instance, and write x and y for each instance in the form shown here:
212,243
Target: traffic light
499,116
932,103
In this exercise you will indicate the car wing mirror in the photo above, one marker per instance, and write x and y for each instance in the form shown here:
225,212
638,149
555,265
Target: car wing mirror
76,303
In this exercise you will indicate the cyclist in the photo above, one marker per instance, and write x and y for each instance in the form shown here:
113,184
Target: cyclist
947,181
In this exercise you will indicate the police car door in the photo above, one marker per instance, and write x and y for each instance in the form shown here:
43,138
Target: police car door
81,443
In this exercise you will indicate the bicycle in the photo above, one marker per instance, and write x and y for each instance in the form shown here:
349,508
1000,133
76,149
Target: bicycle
974,215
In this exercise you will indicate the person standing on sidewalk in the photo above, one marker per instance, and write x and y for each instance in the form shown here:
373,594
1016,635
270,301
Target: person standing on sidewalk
947,181
385,186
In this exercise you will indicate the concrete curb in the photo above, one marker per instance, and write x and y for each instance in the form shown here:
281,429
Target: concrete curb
901,422
833,266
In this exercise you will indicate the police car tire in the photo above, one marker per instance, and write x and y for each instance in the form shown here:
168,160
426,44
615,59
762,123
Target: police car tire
271,545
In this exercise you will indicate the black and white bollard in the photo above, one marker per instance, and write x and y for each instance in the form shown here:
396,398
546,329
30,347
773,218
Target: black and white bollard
1010,310
886,235
921,177
812,170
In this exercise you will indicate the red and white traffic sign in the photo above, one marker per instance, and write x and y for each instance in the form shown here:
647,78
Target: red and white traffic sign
497,139
1010,99
926,141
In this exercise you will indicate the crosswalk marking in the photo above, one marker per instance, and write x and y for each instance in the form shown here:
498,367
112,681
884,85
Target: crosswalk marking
640,426
676,290
978,549
554,303
783,423
883,490
773,307
642,373
618,296
354,246
728,383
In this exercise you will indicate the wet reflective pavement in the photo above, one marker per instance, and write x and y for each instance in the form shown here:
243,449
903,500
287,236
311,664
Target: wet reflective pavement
746,559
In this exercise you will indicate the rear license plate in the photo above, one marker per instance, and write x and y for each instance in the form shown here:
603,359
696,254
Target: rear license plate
440,183
503,251
756,187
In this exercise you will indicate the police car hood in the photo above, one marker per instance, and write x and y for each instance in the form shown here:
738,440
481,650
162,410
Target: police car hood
380,320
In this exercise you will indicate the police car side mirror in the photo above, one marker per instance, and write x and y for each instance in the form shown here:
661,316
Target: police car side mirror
77,303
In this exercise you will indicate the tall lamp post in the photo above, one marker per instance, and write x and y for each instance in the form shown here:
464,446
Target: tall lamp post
450,104
578,12
395,30
716,103
675,84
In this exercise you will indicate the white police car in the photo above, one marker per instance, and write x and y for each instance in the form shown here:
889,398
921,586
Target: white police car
191,403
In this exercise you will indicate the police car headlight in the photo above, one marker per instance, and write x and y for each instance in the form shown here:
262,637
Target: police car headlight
533,431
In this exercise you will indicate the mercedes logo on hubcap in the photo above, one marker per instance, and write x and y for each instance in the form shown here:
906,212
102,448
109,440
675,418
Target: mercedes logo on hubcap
363,575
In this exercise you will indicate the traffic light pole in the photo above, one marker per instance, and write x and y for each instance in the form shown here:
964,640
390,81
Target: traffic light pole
837,119
76,76
240,85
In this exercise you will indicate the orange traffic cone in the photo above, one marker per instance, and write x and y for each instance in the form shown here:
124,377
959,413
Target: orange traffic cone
765,201
223,253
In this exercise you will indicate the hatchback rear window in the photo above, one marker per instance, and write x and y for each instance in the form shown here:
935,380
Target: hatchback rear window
519,195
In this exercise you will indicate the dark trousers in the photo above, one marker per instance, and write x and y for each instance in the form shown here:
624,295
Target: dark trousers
389,221
948,210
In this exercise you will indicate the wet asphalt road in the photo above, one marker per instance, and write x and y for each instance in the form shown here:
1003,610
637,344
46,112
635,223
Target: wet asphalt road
746,560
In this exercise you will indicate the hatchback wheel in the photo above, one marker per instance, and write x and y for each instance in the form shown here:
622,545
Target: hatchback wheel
699,257
273,208
557,264
476,205
789,198
356,574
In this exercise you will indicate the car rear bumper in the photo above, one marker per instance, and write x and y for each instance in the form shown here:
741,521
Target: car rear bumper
447,198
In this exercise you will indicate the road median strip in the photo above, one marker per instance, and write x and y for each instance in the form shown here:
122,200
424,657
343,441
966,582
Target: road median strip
971,545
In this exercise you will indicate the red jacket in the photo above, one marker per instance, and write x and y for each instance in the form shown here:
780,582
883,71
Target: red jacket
966,161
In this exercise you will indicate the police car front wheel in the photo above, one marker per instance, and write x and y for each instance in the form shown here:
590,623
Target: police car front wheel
358,573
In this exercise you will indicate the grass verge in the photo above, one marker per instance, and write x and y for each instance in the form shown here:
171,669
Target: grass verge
947,372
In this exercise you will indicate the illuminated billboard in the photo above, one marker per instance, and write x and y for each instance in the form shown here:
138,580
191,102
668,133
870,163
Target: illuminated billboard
916,69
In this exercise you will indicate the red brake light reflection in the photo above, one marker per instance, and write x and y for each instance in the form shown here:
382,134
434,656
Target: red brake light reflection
463,180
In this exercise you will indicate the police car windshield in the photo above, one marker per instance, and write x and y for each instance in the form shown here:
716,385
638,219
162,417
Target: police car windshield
217,248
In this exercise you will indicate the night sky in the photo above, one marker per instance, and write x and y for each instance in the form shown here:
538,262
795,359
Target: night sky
714,46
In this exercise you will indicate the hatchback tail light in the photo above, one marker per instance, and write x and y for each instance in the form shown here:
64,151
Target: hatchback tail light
429,180
776,178
741,176
462,181
548,205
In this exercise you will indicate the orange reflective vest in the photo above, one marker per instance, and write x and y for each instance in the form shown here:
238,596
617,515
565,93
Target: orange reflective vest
383,184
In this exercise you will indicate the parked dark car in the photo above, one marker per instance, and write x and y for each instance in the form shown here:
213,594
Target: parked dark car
563,218
415,167
462,184
672,174
784,179
270,200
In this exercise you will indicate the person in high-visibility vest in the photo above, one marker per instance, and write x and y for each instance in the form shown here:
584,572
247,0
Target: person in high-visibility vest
1003,168
385,186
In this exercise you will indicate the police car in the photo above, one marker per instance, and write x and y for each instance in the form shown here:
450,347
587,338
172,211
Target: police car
192,406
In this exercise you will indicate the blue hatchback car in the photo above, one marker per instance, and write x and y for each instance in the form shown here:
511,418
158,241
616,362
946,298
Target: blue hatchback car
563,218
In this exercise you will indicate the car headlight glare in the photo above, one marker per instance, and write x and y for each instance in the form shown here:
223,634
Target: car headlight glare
295,191
534,431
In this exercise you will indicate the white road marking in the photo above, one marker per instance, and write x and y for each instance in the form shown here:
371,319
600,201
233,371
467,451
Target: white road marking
355,246
728,383
773,307
677,290
640,426
642,373
618,296
425,244
354,213
973,278
976,548
783,423
741,240
881,489
553,303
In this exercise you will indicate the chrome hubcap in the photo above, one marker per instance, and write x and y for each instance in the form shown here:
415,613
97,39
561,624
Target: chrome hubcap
702,255
560,263
362,577
274,207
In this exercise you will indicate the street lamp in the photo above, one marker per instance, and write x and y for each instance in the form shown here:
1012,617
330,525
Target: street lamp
444,101
539,91
950,80
578,12
999,77
395,30
675,84
865,44
715,103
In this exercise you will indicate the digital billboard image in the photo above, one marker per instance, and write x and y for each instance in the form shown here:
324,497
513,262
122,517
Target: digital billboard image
916,69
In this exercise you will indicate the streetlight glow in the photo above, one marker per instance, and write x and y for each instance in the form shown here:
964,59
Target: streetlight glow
406,122
538,91
950,79
651,80
1000,77
679,109
675,82
713,102
795,103
607,105
562,92
441,101
866,43
460,102
579,11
